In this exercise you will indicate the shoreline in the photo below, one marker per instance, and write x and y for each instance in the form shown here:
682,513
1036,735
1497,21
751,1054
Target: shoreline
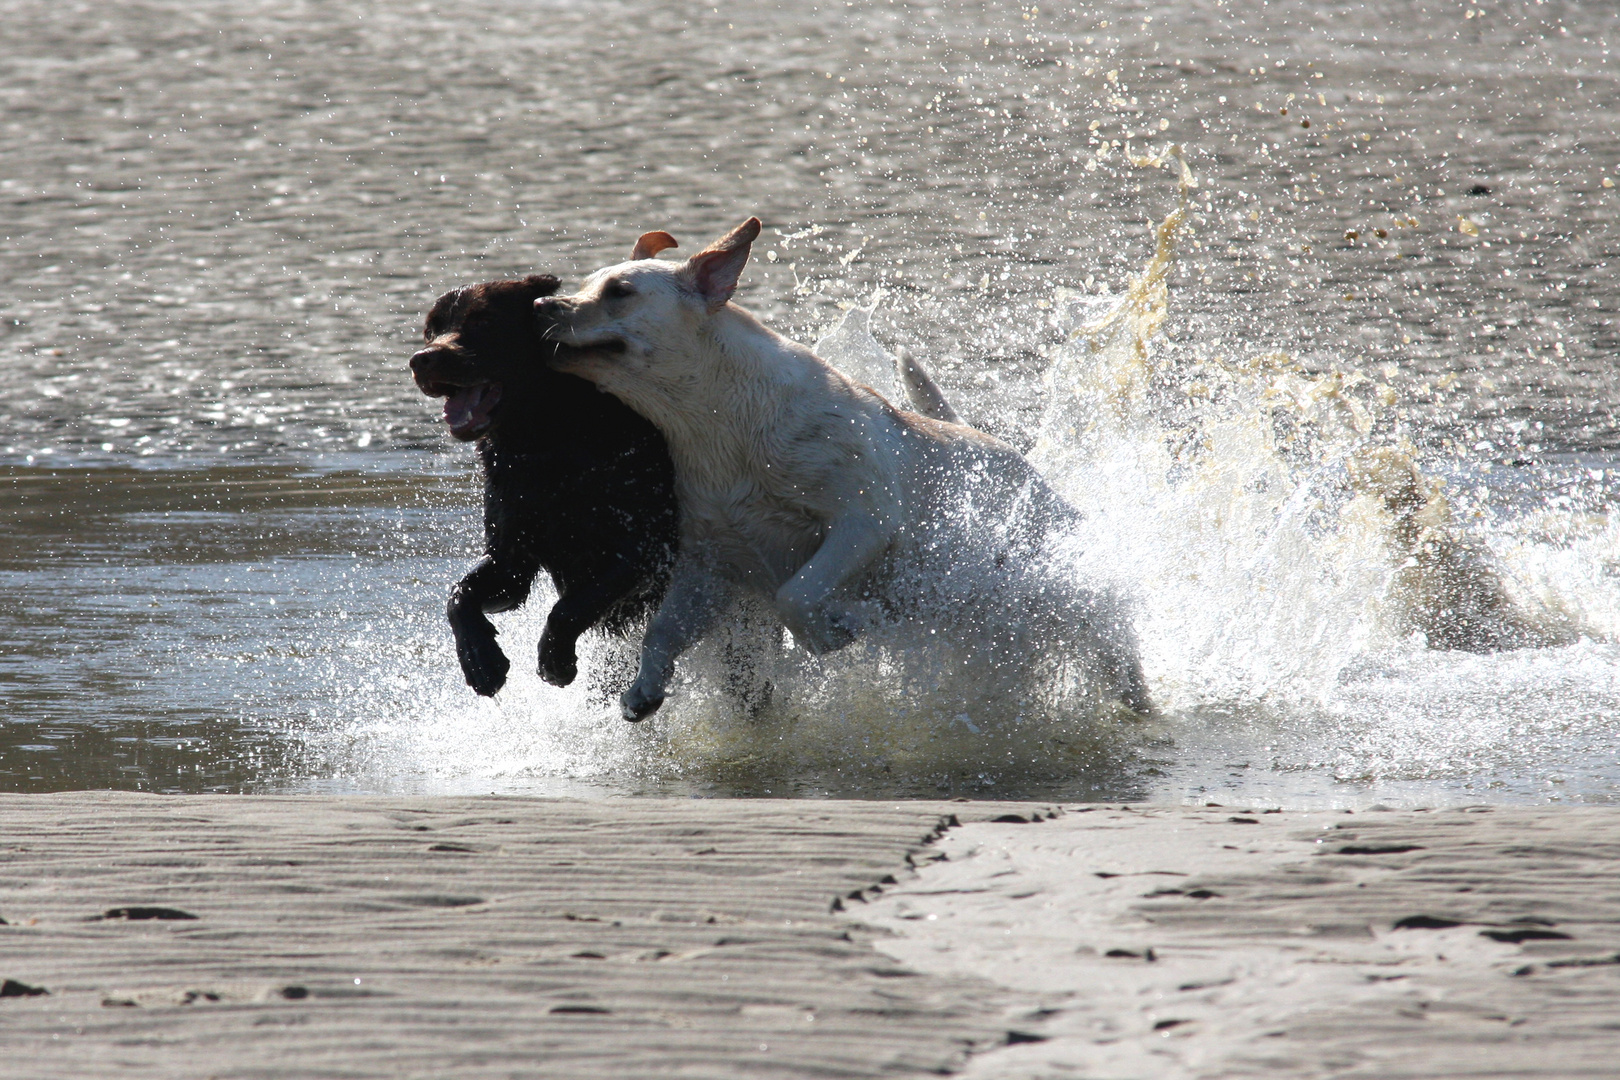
363,936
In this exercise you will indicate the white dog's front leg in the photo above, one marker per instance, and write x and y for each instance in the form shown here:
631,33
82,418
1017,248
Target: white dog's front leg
695,597
852,543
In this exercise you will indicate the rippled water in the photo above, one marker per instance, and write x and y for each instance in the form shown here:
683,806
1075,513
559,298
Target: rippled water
233,519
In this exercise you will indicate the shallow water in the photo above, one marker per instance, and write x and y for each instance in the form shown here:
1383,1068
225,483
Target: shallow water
233,519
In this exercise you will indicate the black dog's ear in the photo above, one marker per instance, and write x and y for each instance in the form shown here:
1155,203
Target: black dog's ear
542,284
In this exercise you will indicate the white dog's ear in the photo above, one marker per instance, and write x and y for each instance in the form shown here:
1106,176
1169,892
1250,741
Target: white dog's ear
651,244
713,272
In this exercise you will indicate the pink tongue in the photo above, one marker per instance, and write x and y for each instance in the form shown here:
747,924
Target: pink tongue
467,410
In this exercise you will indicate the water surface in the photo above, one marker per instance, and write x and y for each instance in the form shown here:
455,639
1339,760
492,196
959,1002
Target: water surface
232,519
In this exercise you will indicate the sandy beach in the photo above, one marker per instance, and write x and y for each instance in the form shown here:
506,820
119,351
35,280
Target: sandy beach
1170,942
398,937
428,937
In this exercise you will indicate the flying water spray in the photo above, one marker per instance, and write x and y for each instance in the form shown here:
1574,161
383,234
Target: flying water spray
1277,517
1311,595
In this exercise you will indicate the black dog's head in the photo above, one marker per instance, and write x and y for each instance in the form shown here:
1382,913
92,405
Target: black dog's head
480,340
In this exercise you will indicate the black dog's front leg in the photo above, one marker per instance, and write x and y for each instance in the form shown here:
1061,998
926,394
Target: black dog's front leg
489,587
576,611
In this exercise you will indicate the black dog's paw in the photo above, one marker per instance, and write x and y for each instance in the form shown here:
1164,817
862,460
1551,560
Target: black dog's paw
485,667
636,704
558,663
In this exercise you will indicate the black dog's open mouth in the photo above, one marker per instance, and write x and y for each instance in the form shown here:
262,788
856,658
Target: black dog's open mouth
468,410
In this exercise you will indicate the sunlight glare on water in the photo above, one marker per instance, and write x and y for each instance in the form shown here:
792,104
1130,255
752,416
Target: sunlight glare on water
1340,415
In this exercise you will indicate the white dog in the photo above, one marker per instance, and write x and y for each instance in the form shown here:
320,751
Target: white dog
795,481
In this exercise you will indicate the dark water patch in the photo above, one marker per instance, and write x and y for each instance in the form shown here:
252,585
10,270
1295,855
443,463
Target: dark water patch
162,622
143,913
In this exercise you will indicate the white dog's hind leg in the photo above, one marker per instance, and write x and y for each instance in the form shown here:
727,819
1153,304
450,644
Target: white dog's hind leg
695,598
1096,623
851,545
1121,663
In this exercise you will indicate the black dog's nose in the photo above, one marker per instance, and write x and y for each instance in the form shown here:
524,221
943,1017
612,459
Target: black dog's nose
425,359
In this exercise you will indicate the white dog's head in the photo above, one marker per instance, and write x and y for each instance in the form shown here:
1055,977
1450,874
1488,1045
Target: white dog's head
639,330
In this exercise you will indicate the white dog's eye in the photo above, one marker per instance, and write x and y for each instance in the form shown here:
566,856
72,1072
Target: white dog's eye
617,289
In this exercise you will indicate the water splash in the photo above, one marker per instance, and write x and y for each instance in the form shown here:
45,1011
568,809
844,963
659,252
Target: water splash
852,348
1312,596
1286,546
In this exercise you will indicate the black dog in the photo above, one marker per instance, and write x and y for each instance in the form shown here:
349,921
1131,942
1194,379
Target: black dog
574,482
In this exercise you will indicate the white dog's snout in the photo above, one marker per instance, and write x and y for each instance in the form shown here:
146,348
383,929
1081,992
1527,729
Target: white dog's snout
552,314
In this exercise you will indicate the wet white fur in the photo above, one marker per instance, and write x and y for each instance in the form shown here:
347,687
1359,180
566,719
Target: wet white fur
792,480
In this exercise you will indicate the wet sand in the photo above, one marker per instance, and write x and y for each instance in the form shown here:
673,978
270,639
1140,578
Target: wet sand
479,937
405,937
1171,942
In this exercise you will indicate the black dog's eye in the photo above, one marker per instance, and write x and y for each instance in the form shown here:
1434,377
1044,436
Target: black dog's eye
617,290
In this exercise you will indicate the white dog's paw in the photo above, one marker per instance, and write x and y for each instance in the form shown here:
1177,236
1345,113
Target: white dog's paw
839,628
1137,700
818,627
825,632
640,702
1131,685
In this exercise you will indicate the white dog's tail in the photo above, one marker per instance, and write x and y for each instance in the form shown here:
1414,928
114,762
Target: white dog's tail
924,394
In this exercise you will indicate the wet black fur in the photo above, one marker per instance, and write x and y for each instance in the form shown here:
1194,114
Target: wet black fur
575,484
